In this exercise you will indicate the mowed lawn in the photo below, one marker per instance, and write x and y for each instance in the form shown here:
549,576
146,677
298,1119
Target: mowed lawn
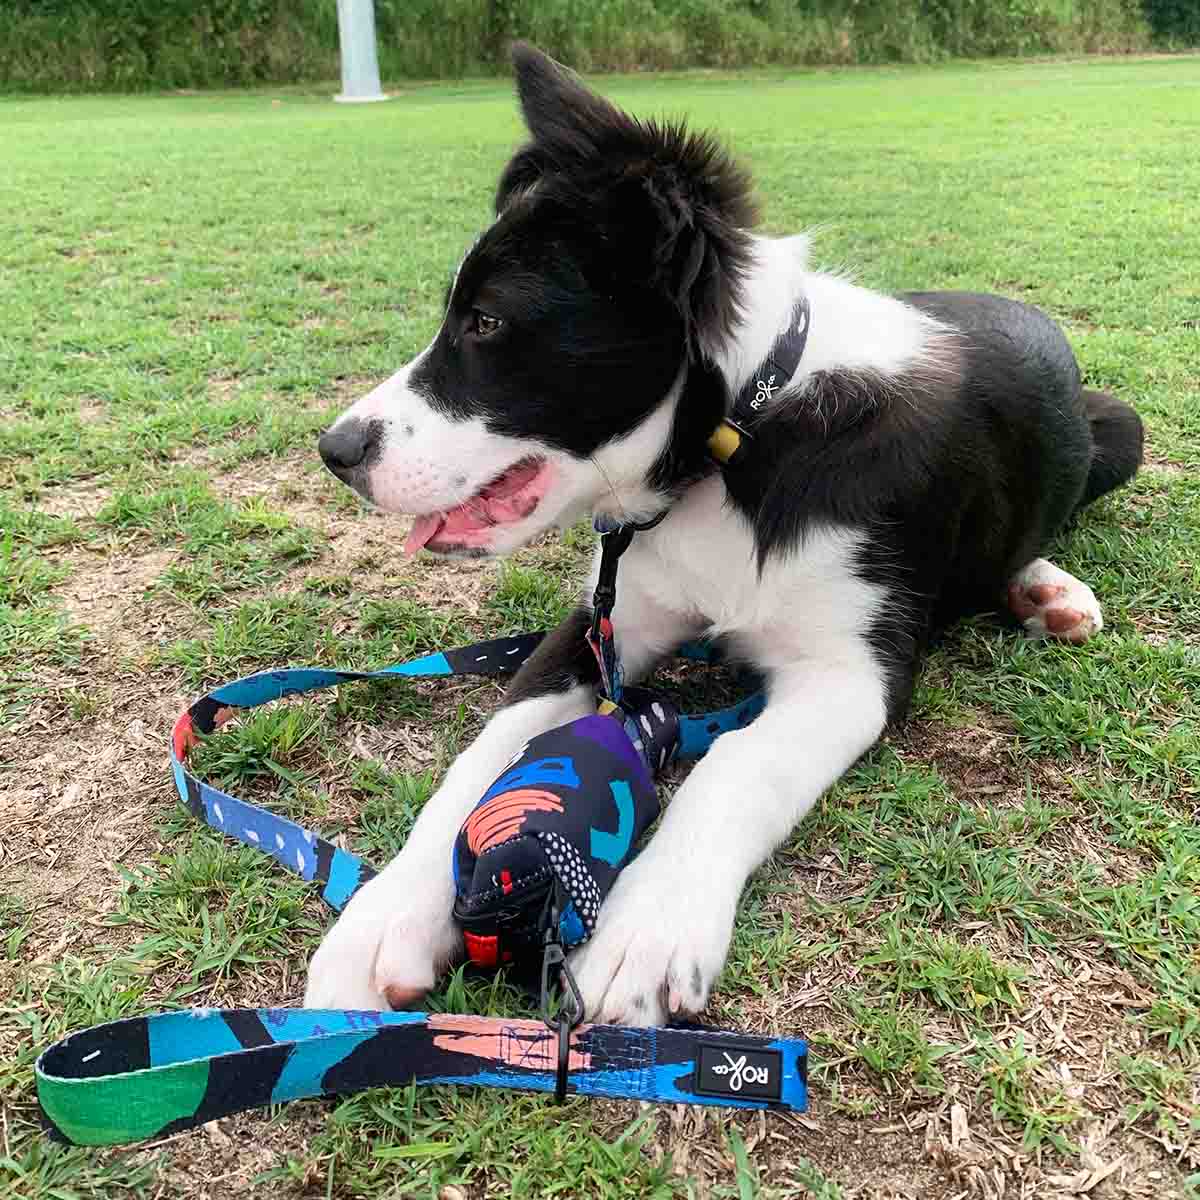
990,930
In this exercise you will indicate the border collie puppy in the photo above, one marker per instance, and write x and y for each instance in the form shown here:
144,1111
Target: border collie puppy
920,459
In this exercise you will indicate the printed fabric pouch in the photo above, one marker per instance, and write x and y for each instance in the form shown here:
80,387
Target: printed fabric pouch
548,839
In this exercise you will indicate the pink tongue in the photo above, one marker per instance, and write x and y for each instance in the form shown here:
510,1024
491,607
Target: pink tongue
470,524
424,530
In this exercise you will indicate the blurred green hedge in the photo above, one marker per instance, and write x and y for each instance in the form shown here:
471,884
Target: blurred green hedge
137,44
1174,22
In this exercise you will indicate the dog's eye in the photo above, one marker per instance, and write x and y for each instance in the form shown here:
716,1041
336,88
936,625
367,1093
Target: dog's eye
483,324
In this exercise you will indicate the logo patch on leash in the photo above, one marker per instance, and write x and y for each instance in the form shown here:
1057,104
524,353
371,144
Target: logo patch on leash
725,1069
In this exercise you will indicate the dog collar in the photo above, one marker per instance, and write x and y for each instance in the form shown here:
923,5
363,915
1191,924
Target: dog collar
758,393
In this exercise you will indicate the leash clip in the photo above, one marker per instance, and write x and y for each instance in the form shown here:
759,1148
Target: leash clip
555,960
613,544
570,1014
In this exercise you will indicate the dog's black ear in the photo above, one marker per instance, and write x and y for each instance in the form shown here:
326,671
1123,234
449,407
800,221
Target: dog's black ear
673,207
567,119
564,117
570,124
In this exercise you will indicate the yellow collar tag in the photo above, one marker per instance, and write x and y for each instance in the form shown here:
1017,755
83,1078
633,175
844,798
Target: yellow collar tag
724,442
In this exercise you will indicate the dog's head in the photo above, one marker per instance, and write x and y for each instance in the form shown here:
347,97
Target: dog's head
553,386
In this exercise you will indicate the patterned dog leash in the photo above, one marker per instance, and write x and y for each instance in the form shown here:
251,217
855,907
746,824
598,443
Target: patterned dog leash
146,1077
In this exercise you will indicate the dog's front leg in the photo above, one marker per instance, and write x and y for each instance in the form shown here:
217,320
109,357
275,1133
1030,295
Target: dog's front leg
397,933
664,930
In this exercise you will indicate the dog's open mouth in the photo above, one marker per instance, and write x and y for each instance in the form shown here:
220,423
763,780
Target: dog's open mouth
508,498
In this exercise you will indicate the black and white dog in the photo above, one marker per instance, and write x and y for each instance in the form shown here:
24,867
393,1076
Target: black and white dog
921,458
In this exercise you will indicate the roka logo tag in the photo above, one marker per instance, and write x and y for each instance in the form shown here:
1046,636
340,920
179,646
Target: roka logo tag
737,1068
748,1072
764,391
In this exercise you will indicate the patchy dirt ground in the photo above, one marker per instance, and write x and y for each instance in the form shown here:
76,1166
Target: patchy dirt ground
92,795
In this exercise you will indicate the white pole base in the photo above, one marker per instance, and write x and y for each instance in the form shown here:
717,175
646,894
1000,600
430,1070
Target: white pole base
360,63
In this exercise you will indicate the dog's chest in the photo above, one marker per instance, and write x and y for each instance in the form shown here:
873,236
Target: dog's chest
701,563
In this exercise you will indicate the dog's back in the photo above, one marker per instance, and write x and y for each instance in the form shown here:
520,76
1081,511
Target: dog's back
1024,448
1045,373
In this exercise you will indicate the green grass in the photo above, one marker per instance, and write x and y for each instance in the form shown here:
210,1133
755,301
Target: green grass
389,808
404,628
888,1037
404,1141
192,285
1022,1095
207,910
964,979
23,574
1164,1097
273,743
528,598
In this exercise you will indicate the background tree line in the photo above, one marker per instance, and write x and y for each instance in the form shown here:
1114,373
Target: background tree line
138,44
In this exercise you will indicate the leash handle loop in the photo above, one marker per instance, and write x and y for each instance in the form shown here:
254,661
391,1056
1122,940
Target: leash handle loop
338,872
144,1078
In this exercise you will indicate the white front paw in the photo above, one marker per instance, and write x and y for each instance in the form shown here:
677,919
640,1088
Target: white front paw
387,946
659,945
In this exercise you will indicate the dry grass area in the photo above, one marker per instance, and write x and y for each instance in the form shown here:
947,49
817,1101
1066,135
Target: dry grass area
989,930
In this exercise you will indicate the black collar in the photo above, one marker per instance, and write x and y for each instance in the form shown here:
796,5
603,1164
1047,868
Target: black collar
725,444
769,378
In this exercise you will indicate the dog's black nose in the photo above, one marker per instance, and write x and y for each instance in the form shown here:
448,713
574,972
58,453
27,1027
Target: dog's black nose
347,444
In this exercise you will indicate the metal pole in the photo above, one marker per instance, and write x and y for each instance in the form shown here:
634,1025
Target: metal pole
360,63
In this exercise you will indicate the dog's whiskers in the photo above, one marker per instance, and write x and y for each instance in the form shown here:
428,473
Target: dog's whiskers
609,484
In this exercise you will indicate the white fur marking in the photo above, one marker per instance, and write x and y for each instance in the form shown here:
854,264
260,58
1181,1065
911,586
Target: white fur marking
851,327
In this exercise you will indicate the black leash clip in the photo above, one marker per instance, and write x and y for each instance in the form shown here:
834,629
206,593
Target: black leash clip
612,545
556,973
614,541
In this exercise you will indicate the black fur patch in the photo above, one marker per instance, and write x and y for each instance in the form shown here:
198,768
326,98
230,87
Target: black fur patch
580,359
562,661
702,405
681,202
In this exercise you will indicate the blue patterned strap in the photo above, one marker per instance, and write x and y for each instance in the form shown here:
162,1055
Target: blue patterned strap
340,873
151,1076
